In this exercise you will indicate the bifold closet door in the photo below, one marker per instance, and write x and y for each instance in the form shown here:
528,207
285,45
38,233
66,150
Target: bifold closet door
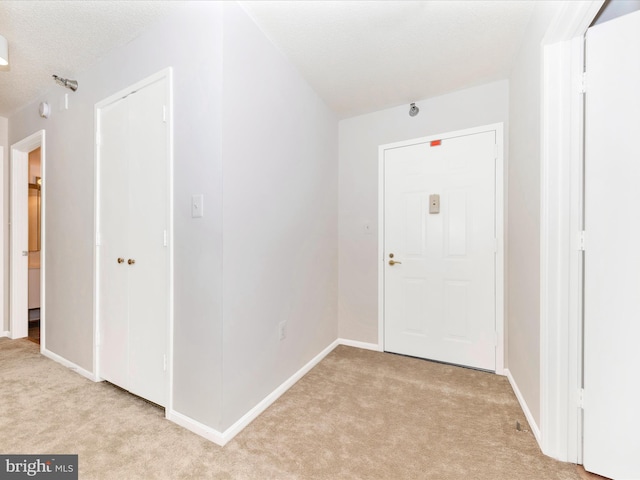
133,257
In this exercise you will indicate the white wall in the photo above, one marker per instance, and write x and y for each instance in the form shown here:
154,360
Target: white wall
358,187
4,230
523,216
190,42
280,217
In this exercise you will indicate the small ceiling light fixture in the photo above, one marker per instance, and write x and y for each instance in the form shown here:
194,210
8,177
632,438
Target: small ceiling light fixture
70,84
413,110
4,51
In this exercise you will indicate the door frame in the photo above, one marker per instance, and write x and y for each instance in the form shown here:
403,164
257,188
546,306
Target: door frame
167,75
561,213
20,153
498,128
3,332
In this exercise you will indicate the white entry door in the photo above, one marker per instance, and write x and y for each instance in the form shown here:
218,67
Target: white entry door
133,223
439,250
612,254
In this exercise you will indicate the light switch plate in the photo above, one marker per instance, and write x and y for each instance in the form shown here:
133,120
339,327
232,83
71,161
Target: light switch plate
197,206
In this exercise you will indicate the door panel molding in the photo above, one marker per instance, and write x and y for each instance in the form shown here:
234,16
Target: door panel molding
560,434
499,229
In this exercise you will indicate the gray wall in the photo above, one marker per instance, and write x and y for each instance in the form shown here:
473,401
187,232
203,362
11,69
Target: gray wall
360,138
616,8
280,236
263,152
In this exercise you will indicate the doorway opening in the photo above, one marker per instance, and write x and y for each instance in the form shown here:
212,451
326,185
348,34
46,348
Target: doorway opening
34,222
27,239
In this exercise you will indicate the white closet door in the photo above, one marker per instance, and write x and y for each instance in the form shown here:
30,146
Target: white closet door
114,235
612,256
148,222
133,255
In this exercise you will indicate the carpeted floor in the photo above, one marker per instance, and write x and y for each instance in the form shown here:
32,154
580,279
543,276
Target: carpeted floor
357,415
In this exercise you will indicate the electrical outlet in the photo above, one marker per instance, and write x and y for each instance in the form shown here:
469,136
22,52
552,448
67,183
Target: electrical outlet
282,330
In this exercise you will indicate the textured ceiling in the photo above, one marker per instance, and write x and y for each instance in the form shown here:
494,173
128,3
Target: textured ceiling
63,38
359,56
362,56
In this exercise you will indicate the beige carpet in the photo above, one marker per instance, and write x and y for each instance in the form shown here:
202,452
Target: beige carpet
357,415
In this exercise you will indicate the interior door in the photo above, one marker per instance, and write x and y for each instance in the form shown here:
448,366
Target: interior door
133,228
19,281
612,256
440,245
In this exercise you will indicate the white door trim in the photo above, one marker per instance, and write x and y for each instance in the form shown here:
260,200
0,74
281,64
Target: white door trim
560,222
19,328
499,216
3,332
166,74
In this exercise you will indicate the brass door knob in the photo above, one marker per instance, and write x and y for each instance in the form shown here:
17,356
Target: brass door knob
393,262
120,260
131,261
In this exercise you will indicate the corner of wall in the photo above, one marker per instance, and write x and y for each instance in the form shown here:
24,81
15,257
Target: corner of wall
358,220
280,218
524,207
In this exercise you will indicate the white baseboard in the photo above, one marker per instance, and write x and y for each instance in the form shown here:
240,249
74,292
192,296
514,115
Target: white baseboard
197,427
355,343
4,334
70,365
525,408
223,438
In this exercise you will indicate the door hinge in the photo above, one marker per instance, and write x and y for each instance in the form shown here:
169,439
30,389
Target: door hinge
164,238
581,398
581,241
582,85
